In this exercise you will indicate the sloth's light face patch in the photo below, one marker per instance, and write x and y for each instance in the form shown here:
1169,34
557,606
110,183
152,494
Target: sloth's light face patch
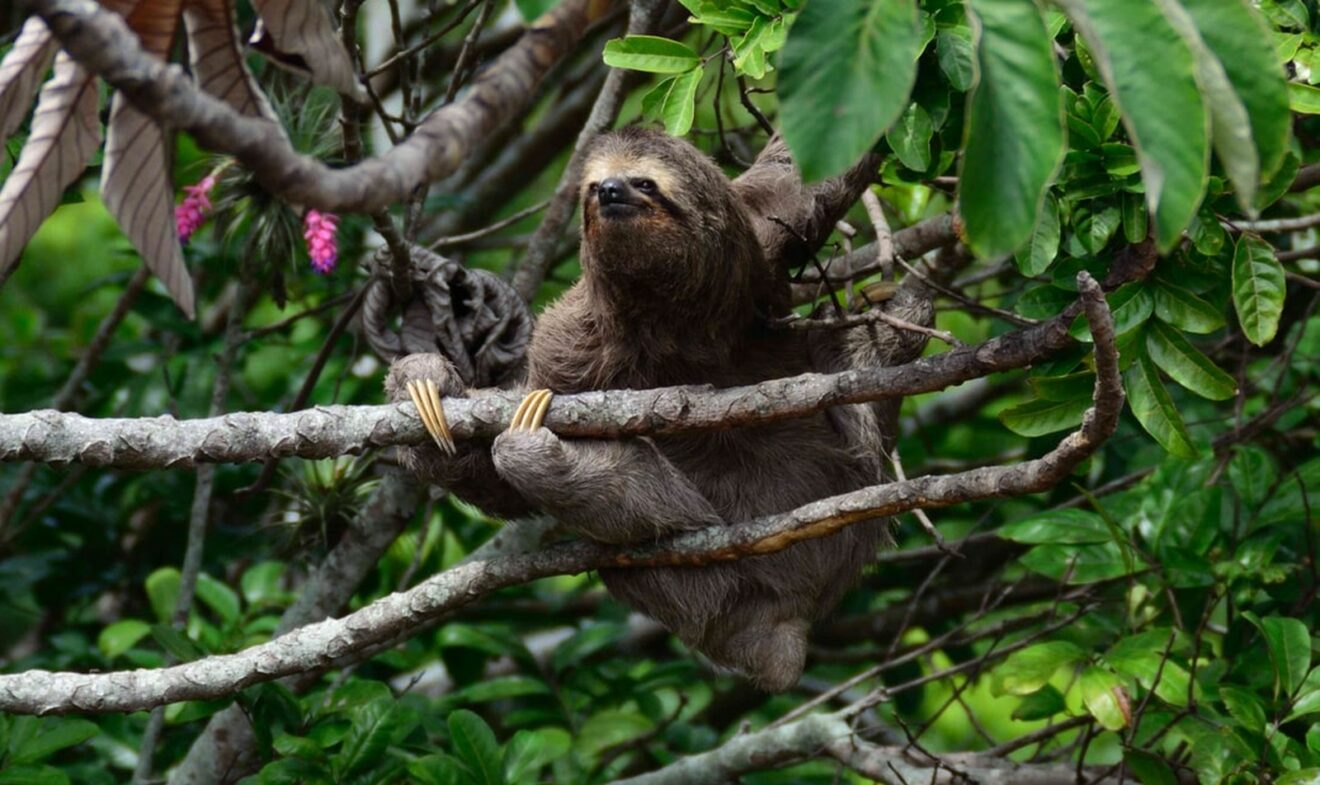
627,167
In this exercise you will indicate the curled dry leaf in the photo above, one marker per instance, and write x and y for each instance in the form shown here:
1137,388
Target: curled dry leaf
135,180
216,57
22,68
65,133
299,35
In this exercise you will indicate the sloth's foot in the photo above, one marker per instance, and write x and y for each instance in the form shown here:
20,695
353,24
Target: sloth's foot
531,412
425,394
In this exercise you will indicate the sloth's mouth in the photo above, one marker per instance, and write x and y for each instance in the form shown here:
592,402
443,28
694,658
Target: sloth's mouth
615,210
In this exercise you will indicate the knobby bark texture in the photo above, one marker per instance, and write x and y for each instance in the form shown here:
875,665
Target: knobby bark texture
101,42
48,436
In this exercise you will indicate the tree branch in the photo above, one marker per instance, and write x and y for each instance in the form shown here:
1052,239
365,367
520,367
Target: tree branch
328,431
101,41
320,645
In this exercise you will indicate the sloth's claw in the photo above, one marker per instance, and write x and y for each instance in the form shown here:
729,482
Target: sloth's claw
531,412
426,397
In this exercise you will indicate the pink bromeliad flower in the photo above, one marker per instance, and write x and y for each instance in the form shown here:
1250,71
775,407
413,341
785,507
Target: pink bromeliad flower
193,211
322,245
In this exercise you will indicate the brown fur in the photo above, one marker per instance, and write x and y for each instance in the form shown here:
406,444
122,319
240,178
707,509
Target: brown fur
677,290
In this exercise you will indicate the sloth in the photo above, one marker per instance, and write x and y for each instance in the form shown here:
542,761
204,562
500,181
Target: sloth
684,283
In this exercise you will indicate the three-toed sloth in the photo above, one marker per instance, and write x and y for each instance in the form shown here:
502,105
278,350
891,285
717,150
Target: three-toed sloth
683,277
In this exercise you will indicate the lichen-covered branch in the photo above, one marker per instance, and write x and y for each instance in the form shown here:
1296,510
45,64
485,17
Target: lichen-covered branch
327,431
830,736
321,645
100,41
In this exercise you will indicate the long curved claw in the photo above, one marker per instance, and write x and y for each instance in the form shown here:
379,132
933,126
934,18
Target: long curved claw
531,412
426,397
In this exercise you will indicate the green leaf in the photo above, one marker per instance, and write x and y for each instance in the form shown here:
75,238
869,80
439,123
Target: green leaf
1229,122
32,775
1079,563
260,583
1290,648
529,751
1105,698
219,597
1243,706
1182,361
1038,254
679,104
1041,417
1014,139
1165,118
1258,288
1041,704
1148,768
502,687
1068,526
52,735
374,727
1239,39
650,53
1154,409
475,745
533,9
1136,220
610,728
586,642
178,645
163,592
1029,669
953,48
910,138
1252,473
1303,98
845,76
121,636
439,769
1131,306
1184,310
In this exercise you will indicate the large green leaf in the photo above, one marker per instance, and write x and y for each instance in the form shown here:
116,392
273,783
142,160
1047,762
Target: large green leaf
651,54
1105,698
1182,361
1029,669
1014,138
1041,417
1258,288
475,744
1290,648
1238,37
1229,123
845,75
1154,409
1068,526
1151,73
1185,310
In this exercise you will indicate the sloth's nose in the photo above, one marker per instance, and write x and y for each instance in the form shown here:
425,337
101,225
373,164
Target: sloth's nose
613,191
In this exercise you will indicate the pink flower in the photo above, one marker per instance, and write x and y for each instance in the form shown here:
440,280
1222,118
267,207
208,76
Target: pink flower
191,213
319,230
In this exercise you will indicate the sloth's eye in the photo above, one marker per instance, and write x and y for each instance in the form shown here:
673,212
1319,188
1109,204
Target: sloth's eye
591,187
645,186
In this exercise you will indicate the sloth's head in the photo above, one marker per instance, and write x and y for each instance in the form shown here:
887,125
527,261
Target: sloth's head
660,222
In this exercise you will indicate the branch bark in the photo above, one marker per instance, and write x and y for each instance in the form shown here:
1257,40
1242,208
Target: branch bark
101,42
328,431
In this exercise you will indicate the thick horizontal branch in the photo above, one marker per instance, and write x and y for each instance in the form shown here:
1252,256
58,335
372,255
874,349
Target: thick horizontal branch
831,736
101,41
320,645
326,431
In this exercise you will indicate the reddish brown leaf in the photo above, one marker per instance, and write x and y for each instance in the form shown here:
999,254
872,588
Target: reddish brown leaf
302,36
65,133
217,57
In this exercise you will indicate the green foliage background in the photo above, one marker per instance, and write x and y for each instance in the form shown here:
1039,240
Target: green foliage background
1178,641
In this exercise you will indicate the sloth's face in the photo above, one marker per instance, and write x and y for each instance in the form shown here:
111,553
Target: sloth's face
621,189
